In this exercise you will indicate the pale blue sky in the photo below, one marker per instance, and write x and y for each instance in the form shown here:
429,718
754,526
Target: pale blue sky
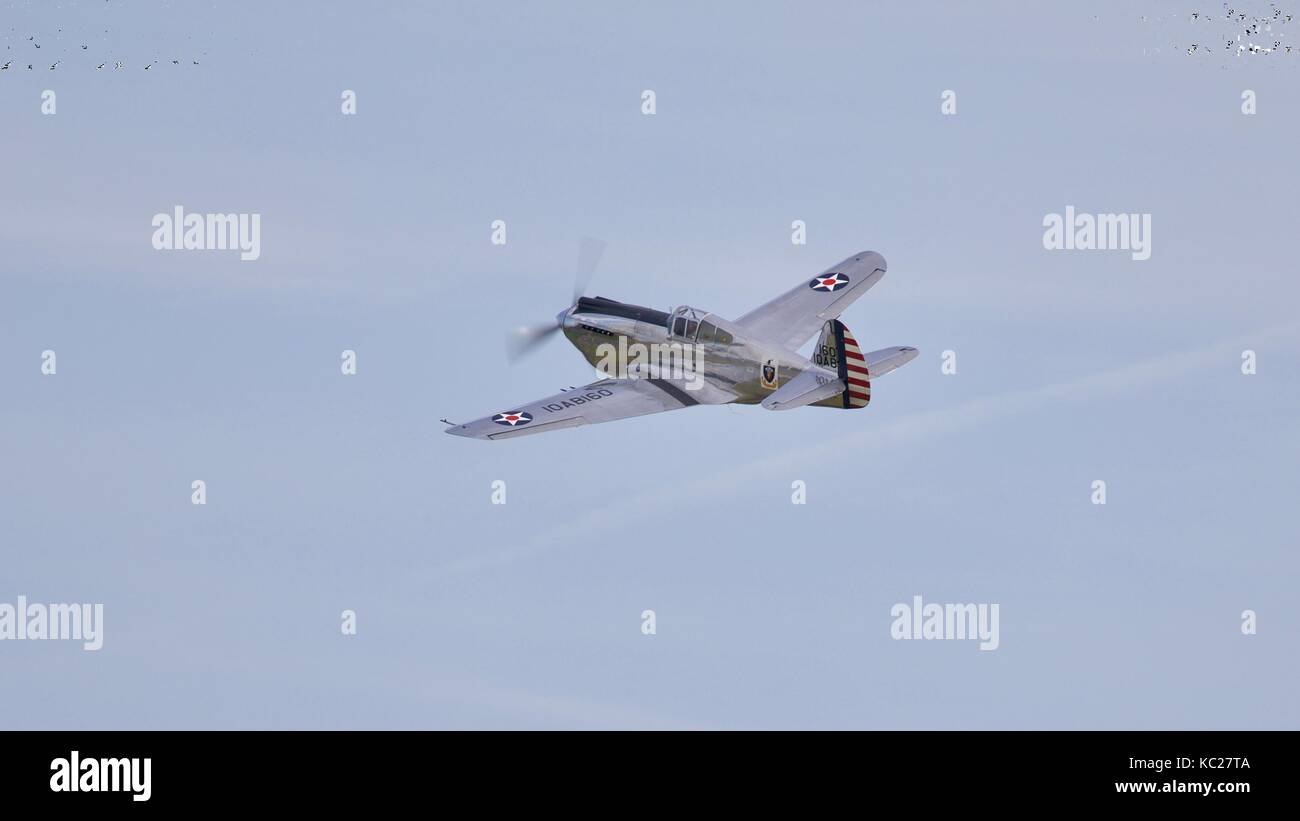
329,492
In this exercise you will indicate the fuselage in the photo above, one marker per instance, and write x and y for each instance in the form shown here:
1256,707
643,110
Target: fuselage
737,368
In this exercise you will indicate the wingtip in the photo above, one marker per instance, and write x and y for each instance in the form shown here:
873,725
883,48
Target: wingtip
872,257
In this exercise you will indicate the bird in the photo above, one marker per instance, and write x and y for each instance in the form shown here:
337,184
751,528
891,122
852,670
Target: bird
55,63
146,68
5,67
101,65
117,65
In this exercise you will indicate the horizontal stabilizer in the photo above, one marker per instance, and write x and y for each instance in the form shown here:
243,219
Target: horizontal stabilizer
885,360
812,385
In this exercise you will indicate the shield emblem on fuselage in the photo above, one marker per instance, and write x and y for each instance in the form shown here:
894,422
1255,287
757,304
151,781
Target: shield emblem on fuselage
768,374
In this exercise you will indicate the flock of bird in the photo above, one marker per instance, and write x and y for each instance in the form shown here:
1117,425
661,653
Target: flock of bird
1250,25
117,65
1238,24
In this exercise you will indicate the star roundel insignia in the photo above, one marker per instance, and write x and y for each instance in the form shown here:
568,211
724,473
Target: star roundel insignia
829,282
513,418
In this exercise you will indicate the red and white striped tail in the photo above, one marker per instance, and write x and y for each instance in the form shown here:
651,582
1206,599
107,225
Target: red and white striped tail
854,371
839,350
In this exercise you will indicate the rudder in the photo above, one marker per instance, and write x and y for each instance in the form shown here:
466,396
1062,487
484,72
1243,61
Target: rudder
836,348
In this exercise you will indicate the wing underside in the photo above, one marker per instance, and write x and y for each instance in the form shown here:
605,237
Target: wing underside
603,401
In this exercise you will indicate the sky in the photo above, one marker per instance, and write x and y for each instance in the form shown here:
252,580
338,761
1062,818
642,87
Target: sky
329,492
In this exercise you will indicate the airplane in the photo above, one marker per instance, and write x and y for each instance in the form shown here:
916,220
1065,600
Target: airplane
712,361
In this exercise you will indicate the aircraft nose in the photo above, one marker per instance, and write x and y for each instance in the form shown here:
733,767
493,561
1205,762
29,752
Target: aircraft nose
562,318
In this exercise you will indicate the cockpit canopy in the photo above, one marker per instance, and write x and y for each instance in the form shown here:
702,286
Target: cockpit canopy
691,325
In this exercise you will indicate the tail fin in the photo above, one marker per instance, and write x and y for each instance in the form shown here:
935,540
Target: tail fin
839,350
853,370
836,348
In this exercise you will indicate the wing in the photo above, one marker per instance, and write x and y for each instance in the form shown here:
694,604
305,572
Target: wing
792,318
602,401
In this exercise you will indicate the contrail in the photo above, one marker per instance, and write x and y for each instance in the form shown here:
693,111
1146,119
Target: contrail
970,414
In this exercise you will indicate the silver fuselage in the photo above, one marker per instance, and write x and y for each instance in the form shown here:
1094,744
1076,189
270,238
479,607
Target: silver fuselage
733,368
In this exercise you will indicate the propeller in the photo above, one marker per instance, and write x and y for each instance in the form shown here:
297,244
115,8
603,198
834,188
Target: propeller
590,250
528,338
